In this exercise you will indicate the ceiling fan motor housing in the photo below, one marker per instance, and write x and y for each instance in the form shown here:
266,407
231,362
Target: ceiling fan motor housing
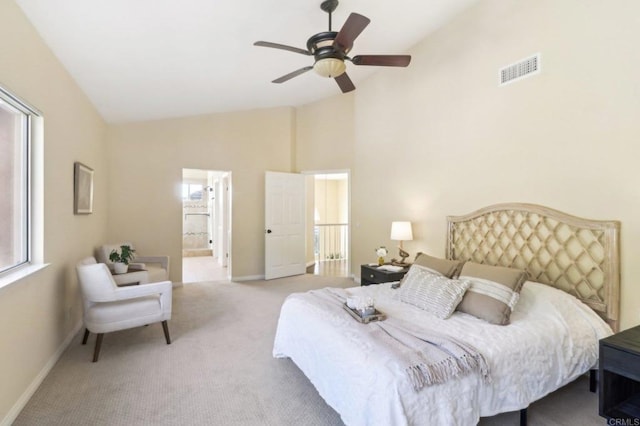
322,44
329,61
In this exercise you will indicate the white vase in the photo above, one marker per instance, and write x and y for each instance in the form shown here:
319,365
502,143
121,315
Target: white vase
120,268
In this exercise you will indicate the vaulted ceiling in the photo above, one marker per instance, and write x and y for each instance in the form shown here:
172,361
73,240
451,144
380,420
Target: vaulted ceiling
152,59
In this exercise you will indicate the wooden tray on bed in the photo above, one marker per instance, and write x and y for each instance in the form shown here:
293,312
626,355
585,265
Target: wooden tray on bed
376,316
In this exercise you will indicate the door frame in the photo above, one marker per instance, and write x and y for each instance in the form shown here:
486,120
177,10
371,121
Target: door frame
221,212
348,173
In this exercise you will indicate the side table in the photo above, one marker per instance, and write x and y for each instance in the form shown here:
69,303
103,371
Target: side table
373,275
619,387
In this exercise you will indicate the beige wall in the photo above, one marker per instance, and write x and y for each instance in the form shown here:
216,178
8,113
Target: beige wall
331,201
343,197
324,135
146,162
441,138
38,313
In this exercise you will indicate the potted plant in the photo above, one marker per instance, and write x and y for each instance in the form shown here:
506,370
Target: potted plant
121,259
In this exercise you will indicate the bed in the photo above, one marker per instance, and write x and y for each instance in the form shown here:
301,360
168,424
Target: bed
569,301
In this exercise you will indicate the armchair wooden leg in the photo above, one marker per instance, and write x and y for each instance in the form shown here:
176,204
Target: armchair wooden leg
86,336
96,351
165,328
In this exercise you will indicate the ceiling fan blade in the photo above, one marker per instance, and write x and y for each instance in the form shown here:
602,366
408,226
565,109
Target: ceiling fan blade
351,29
282,46
292,74
345,83
382,60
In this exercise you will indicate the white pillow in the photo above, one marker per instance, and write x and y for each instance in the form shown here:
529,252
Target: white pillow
432,292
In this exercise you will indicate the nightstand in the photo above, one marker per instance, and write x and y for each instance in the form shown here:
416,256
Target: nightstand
620,375
372,275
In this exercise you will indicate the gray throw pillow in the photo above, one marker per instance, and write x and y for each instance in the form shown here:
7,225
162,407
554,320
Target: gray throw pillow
493,293
448,268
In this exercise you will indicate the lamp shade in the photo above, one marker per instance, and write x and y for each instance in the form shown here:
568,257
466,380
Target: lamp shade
401,231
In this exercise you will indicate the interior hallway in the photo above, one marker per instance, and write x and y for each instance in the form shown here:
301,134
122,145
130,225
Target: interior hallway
330,268
202,268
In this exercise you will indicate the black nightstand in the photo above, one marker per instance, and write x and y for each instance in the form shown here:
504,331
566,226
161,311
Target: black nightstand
620,375
372,275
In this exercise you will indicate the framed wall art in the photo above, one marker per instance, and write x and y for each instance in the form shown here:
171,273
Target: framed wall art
82,189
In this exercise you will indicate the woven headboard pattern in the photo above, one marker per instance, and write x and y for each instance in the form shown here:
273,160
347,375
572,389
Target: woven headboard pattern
576,255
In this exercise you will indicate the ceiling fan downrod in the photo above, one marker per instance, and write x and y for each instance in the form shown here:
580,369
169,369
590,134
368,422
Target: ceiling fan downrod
329,6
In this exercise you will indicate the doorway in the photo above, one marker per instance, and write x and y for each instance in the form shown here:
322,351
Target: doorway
331,224
206,225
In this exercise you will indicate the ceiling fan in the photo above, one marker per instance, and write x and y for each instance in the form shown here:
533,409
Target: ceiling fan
330,49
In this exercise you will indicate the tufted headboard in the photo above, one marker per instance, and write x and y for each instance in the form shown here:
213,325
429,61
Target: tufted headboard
576,255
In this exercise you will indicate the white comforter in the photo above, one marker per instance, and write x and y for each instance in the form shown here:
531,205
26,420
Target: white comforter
552,339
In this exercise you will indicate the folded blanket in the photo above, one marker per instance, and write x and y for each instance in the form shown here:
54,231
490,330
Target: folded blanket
427,356
432,357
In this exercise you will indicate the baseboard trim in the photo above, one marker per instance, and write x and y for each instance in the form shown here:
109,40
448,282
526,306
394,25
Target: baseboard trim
248,278
13,413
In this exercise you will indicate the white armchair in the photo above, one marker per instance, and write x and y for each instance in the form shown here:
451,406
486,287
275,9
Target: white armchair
108,307
143,269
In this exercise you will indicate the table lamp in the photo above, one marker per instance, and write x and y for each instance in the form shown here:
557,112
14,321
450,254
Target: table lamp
401,231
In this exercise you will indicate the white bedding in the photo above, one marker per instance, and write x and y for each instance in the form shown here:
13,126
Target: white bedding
552,339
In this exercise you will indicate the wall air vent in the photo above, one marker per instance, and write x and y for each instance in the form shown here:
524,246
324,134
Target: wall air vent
519,70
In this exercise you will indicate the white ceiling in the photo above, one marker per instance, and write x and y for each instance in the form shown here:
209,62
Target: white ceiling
151,59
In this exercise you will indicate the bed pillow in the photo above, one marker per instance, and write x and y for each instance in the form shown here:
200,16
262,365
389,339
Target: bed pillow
431,291
493,293
448,268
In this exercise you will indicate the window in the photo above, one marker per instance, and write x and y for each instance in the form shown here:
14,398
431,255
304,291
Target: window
191,191
15,141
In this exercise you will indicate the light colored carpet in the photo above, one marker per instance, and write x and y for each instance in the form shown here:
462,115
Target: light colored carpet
219,370
202,268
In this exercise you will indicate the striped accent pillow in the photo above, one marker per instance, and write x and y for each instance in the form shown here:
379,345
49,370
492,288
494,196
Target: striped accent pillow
493,293
431,291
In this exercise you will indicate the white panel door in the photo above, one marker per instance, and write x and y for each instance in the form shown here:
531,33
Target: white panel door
284,225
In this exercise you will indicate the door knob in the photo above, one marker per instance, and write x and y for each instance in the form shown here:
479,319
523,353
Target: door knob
268,231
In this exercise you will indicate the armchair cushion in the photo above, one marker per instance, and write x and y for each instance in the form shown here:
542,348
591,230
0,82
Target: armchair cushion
123,314
133,277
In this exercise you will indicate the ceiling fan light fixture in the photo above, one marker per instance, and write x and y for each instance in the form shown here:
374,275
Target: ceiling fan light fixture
330,50
330,67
